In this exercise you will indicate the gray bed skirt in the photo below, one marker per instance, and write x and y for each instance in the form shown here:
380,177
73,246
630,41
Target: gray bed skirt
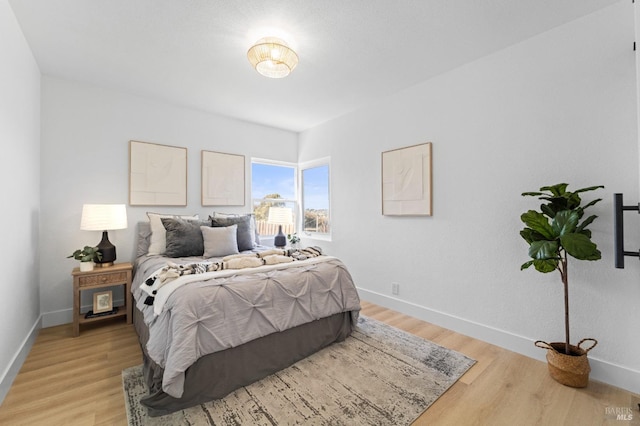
216,375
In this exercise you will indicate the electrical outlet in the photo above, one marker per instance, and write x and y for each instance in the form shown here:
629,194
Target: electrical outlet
395,288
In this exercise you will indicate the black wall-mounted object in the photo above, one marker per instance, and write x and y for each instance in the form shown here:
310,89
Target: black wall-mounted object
618,223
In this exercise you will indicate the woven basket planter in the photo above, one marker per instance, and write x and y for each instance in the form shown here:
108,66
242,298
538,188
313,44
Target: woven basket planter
570,370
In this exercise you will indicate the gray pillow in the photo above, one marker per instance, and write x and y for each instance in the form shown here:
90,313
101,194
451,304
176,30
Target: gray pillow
157,243
220,242
245,242
255,238
144,238
184,238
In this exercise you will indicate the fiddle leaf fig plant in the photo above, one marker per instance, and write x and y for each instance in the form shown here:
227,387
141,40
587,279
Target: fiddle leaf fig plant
558,231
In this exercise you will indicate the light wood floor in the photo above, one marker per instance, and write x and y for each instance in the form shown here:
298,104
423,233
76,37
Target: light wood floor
76,381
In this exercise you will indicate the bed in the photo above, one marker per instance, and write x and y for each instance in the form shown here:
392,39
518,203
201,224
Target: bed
216,328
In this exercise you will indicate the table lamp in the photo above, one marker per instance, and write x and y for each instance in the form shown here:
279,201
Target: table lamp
280,216
104,217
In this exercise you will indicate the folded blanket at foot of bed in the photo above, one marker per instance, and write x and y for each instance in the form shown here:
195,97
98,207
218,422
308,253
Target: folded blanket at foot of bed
236,261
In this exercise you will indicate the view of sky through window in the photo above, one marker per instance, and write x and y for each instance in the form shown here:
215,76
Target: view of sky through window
316,188
269,179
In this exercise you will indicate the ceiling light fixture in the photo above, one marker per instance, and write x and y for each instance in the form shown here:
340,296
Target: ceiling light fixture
272,57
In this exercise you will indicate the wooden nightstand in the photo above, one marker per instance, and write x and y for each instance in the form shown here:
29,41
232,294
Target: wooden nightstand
100,277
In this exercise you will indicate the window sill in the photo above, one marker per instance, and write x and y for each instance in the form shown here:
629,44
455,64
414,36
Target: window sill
318,237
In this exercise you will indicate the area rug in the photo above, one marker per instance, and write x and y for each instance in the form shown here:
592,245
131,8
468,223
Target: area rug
378,376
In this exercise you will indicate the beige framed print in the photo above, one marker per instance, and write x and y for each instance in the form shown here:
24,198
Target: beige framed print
406,181
222,179
102,301
157,174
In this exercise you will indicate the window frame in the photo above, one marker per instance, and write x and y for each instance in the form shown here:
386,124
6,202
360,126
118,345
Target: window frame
295,200
325,161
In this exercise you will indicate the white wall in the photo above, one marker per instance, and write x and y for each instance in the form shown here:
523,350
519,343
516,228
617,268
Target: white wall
20,174
559,107
85,159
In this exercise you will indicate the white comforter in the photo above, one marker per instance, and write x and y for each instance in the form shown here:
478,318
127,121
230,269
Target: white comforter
206,313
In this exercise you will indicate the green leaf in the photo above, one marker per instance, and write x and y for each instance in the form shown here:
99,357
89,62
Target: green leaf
590,188
573,200
530,235
546,209
586,223
543,250
527,234
545,265
585,232
592,203
557,203
526,265
564,222
557,189
580,246
539,223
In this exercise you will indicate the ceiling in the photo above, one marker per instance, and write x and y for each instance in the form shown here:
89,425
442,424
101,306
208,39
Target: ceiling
352,52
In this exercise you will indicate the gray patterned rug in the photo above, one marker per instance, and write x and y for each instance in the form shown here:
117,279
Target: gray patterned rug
378,376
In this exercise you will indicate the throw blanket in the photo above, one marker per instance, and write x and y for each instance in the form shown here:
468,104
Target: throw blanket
236,261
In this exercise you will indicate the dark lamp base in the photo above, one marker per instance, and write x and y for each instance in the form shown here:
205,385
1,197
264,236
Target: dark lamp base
107,250
280,240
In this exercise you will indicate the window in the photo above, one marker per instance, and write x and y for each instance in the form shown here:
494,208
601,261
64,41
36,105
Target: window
273,184
315,183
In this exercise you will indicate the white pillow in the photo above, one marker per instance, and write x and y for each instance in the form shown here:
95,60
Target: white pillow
158,240
220,241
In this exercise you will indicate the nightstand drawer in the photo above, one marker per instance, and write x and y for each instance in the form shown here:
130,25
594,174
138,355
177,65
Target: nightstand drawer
111,278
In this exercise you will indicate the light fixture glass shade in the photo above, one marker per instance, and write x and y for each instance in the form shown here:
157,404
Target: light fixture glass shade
103,217
280,215
272,57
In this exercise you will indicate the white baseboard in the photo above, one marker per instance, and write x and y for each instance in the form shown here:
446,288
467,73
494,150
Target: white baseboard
51,319
10,373
603,371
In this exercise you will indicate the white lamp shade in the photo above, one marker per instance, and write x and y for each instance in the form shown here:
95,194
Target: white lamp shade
280,215
103,217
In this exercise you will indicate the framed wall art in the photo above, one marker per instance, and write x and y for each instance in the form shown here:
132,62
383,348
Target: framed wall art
157,174
406,181
222,179
102,301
